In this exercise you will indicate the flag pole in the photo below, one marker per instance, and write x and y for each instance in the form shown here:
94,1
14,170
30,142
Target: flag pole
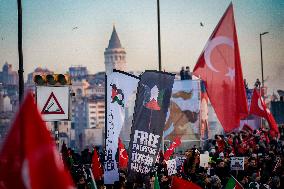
159,56
159,36
237,181
94,184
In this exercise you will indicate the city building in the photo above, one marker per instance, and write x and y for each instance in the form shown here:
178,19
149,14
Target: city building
96,111
78,73
114,54
79,118
95,90
79,87
6,113
5,103
92,137
8,76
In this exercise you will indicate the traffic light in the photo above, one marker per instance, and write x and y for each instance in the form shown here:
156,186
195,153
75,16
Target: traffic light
52,79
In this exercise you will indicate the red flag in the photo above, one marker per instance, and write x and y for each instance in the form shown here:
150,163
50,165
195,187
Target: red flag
259,108
97,168
171,149
123,156
219,66
29,158
179,183
247,128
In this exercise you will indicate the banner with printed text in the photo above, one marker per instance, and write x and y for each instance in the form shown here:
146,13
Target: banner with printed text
151,106
120,88
171,166
237,163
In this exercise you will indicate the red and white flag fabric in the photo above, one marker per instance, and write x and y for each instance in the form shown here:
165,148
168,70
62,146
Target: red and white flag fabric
259,108
123,156
247,128
179,183
97,167
219,66
171,149
29,159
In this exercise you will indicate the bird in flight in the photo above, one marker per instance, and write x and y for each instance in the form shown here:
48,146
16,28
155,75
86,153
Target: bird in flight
74,28
201,24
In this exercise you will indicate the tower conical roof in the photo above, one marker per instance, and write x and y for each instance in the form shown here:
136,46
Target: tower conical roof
114,41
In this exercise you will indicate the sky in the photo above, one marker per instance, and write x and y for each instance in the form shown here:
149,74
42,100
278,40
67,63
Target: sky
60,33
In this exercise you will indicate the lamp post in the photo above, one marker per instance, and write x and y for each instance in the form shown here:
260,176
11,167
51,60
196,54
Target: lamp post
261,59
260,39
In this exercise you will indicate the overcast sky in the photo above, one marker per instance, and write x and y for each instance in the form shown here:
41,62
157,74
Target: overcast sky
61,33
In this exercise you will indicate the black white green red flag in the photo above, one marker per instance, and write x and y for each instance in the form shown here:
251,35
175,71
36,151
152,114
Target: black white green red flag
233,184
151,106
120,88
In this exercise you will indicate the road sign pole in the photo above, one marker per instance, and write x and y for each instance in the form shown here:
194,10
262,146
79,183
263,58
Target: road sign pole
56,134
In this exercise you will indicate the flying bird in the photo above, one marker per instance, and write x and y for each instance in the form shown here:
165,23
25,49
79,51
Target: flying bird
75,28
201,24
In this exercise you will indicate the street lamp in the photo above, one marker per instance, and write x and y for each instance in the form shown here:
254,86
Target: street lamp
261,34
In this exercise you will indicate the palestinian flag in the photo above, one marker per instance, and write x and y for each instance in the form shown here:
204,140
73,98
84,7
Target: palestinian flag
233,184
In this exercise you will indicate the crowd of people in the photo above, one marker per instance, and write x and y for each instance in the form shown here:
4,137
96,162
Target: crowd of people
263,166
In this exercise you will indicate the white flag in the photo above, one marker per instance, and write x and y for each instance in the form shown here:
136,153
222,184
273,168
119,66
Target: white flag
120,88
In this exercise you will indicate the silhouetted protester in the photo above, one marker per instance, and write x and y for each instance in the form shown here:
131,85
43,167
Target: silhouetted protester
181,73
187,73
64,152
246,84
81,184
257,83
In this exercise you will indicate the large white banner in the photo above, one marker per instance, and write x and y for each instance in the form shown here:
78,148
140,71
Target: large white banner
120,88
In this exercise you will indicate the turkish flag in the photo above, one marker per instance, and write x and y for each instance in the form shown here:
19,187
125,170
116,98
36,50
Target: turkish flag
123,156
259,108
219,66
171,149
179,183
29,158
97,168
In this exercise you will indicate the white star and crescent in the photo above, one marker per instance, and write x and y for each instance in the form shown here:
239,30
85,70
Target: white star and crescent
121,153
209,48
230,73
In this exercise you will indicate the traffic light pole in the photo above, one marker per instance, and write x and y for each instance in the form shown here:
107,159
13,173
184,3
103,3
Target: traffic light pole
56,134
20,51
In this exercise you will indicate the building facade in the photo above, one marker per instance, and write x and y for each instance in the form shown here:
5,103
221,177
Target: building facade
96,112
78,73
8,76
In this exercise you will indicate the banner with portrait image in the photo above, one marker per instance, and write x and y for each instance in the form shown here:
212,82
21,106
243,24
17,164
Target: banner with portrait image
184,111
151,106
120,87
